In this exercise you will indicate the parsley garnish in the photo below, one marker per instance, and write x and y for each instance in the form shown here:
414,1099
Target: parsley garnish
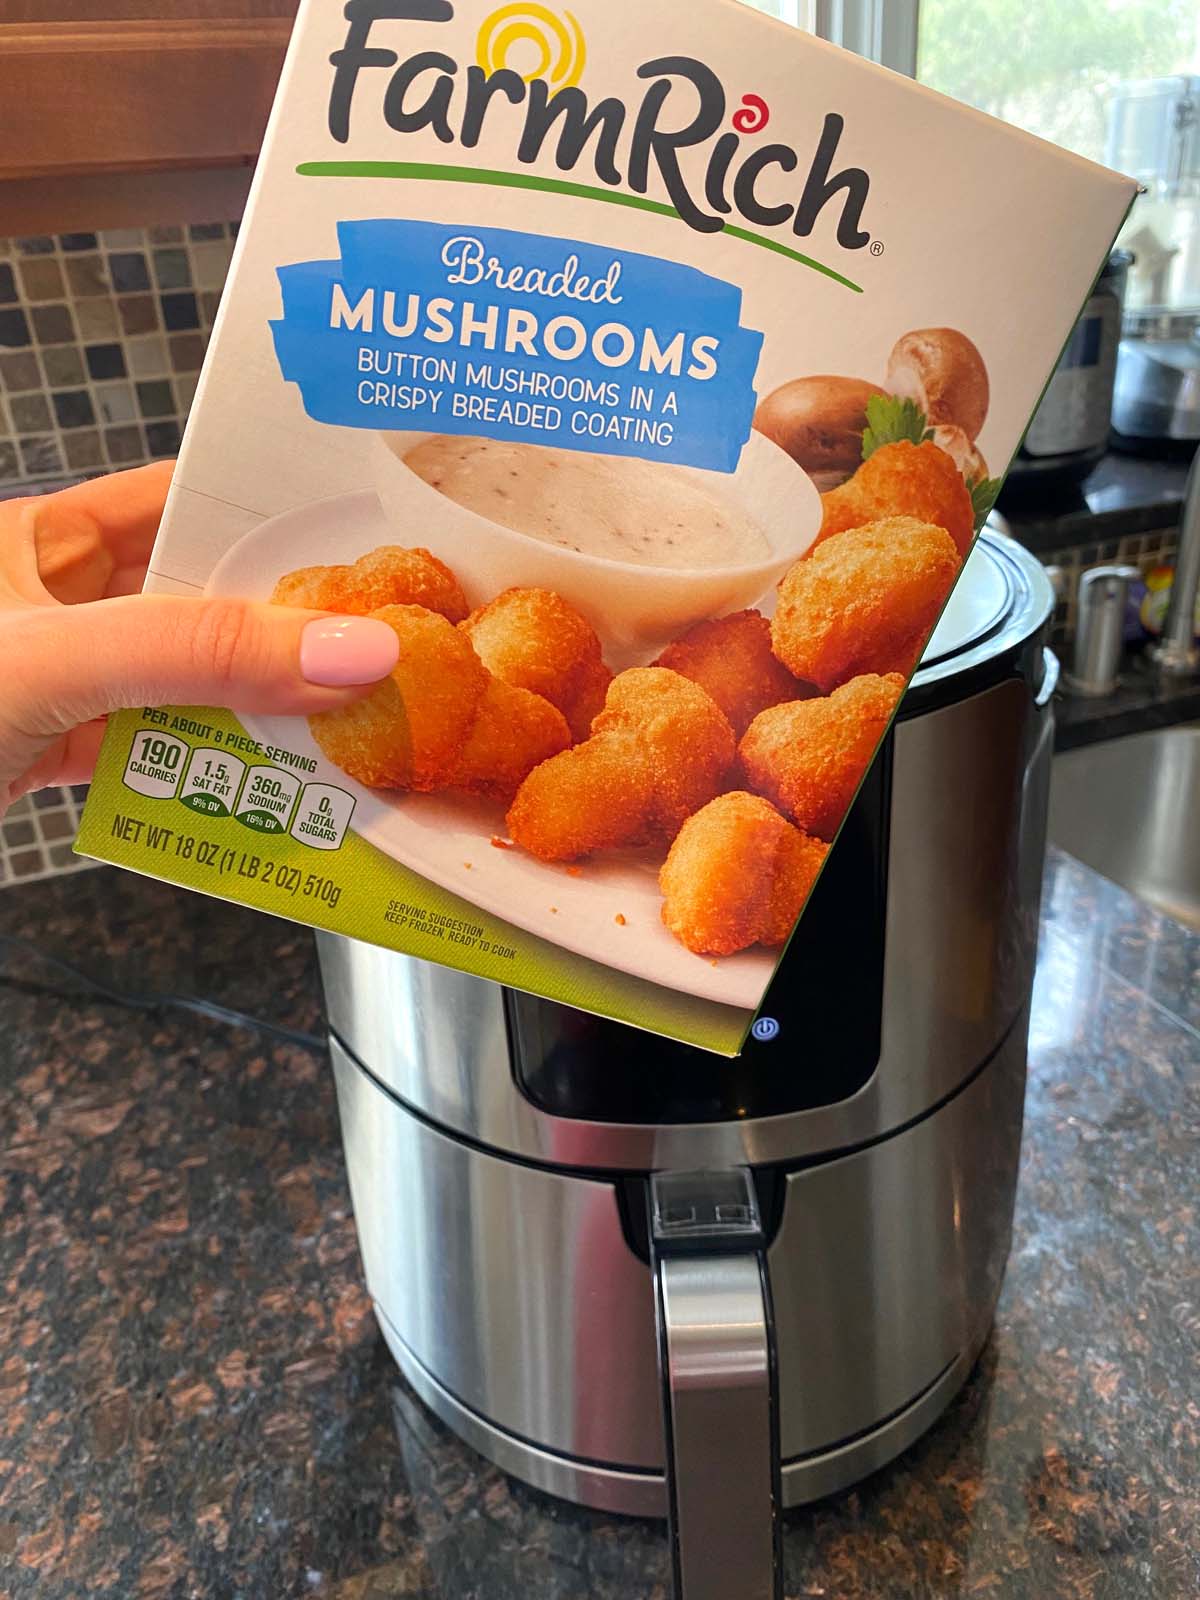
983,498
889,420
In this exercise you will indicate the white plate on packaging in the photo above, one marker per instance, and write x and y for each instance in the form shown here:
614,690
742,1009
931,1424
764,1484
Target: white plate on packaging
447,839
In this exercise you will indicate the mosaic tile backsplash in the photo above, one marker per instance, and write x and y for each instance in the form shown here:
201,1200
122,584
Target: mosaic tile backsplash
102,336
1142,550
36,836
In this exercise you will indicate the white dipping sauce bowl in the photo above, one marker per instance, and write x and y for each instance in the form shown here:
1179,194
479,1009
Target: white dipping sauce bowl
635,609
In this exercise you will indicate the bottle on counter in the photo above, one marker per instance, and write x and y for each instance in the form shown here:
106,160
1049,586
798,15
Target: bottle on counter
1146,608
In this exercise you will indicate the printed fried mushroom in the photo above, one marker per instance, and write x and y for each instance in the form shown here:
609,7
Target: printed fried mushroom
409,732
903,480
810,757
534,640
389,576
864,601
737,874
588,700
658,751
731,659
513,732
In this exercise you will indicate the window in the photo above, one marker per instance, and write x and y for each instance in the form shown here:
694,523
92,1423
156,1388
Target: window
1053,67
797,12
884,30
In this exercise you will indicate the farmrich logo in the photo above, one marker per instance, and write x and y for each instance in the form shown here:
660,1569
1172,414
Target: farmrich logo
678,124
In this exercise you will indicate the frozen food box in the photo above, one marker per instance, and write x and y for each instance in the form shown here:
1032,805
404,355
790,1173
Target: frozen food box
649,369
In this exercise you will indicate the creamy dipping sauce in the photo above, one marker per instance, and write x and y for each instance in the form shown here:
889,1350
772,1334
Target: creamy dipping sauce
616,507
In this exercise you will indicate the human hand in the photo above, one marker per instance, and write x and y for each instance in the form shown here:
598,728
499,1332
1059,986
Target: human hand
77,640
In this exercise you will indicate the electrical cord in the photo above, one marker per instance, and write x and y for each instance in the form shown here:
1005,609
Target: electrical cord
160,1002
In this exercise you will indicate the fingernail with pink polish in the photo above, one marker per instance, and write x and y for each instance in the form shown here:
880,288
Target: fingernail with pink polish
339,652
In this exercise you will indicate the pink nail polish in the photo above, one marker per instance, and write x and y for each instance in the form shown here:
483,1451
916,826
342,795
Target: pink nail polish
338,652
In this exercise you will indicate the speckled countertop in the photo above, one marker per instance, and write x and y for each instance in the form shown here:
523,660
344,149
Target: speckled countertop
194,1400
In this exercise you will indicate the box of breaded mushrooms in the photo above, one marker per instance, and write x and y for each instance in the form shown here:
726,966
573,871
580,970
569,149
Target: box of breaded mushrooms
649,370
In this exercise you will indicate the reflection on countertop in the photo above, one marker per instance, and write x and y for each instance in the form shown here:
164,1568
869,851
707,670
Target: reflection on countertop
196,1401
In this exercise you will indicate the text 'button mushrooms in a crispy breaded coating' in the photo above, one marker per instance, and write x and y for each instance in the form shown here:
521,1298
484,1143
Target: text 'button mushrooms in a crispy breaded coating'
659,750
810,757
737,874
865,600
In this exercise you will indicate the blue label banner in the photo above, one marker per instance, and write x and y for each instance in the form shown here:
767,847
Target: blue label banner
424,327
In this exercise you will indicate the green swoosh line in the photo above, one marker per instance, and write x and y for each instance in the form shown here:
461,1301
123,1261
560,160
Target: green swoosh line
521,180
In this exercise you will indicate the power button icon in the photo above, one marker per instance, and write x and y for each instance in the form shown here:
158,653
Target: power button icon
765,1028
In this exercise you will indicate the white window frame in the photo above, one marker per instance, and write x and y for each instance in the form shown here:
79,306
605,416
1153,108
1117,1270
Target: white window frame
882,30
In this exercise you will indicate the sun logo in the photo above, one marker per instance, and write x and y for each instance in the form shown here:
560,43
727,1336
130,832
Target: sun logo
558,41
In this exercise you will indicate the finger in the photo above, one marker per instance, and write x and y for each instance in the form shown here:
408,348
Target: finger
125,580
71,664
74,562
19,576
126,508
69,546
80,751
69,759
53,552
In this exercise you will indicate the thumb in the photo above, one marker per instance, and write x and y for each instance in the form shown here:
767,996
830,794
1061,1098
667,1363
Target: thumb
70,664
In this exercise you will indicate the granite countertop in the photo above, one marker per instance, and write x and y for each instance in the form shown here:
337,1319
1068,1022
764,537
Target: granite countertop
194,1400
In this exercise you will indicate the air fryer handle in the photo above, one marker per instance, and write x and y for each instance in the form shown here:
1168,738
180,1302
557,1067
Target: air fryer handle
1050,677
717,1360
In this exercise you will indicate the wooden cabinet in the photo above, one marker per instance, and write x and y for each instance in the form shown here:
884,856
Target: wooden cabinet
115,112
